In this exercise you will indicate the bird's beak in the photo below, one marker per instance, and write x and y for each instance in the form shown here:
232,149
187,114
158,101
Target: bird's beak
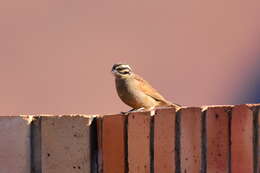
113,71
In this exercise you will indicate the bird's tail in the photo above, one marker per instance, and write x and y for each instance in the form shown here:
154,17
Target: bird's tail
170,104
177,106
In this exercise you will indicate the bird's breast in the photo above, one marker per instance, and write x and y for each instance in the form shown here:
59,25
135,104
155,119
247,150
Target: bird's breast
130,94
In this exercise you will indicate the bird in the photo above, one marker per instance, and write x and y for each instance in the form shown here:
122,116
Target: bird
136,92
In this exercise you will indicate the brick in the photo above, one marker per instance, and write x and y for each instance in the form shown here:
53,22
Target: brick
257,148
217,121
65,144
190,139
15,144
113,144
242,139
255,108
36,145
139,142
100,139
164,140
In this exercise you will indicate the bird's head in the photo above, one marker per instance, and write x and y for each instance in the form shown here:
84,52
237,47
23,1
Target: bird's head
121,70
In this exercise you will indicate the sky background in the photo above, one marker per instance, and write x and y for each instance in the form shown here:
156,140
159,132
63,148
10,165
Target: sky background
56,56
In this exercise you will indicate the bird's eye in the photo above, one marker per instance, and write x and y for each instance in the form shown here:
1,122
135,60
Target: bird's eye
125,72
119,69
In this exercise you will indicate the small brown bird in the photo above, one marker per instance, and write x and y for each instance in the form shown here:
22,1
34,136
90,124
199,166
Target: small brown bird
135,91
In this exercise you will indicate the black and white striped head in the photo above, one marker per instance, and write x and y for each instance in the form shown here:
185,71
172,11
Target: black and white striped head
121,70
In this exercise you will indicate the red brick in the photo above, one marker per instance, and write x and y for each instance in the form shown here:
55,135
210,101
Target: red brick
65,144
242,139
15,144
164,140
100,140
139,142
113,143
217,121
190,137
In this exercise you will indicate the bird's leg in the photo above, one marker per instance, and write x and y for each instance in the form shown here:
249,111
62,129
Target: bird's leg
137,110
152,111
132,110
126,113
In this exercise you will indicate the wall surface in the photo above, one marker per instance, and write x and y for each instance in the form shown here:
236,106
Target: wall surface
214,139
56,56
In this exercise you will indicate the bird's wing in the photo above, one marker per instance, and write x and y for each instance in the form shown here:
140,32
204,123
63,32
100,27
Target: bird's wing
149,90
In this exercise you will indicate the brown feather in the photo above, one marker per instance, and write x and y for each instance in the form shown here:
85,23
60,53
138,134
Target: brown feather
149,90
134,91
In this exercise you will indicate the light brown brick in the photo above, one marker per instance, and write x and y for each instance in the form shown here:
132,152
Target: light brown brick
217,121
242,139
65,144
15,144
139,142
190,137
164,140
113,143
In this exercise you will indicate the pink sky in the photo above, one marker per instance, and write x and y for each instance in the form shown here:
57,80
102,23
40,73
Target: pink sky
56,56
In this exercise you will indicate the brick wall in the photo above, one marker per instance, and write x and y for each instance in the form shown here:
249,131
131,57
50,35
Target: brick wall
214,139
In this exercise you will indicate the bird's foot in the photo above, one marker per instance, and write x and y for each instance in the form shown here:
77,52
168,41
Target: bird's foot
152,111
